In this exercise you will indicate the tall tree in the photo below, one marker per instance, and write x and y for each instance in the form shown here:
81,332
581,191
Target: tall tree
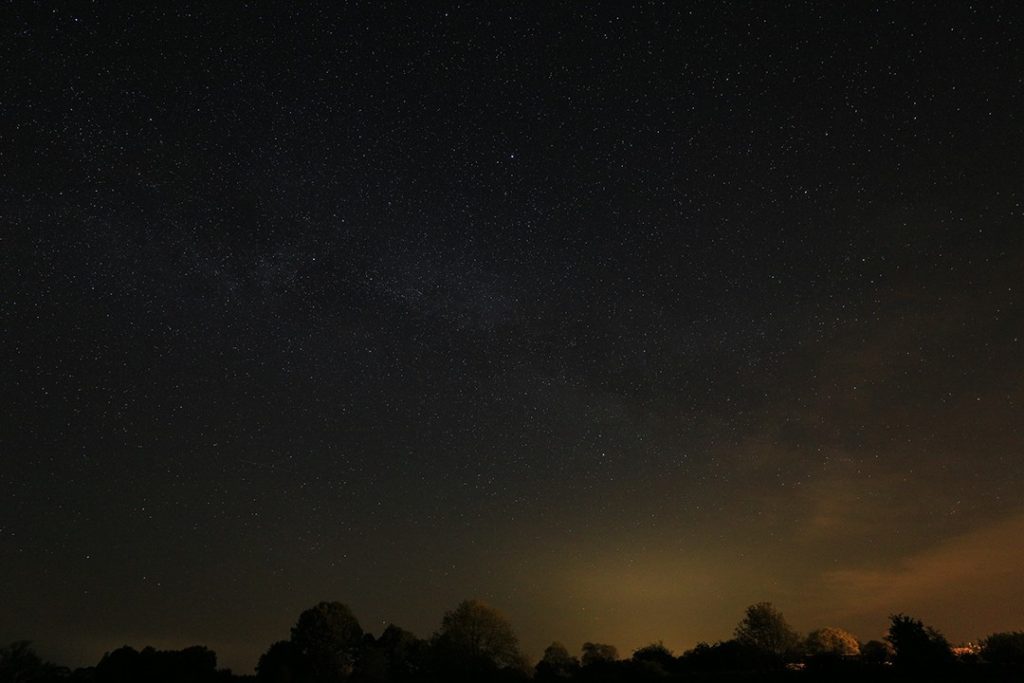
404,654
917,646
328,637
476,630
765,628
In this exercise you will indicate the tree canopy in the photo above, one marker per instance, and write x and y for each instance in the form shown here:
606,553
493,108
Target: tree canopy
282,663
1004,648
597,653
19,662
478,632
915,645
557,663
832,641
764,628
328,636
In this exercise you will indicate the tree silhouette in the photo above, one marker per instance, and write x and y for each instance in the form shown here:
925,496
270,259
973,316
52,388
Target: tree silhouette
598,653
730,655
123,664
282,663
917,646
653,661
556,664
19,662
657,653
474,639
328,637
401,653
876,652
1004,648
194,664
831,641
476,644
764,628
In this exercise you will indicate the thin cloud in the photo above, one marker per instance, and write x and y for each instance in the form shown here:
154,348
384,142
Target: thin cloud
972,578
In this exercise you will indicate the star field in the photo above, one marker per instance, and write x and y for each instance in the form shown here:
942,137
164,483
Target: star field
620,316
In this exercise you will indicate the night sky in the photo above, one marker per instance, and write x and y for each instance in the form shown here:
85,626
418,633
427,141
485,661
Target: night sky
618,316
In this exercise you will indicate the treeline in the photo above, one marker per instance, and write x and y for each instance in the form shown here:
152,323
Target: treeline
475,643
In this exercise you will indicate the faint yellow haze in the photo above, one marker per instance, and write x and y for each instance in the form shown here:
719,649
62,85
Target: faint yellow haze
970,580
